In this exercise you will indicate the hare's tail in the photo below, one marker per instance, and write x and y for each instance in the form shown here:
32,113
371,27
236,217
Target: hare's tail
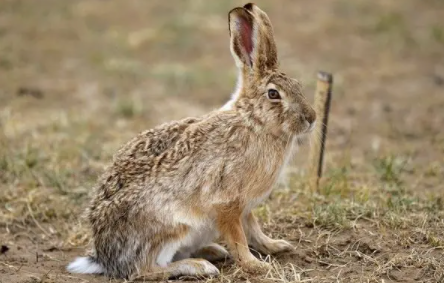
85,265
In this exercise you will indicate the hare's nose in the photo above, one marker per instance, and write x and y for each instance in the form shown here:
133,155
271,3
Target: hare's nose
310,116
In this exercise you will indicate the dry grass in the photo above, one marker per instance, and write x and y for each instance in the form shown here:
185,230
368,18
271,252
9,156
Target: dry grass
78,79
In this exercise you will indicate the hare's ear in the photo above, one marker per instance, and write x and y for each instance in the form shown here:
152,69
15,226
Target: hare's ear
267,51
242,42
252,42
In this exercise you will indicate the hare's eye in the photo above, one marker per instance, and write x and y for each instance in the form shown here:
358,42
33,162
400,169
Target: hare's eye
273,94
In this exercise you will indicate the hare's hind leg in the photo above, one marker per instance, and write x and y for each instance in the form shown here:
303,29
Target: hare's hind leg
213,252
195,267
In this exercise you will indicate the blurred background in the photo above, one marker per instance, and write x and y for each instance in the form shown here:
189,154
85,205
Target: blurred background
79,78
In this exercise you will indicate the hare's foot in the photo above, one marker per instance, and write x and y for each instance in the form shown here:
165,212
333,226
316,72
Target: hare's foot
261,242
194,267
255,266
268,246
213,252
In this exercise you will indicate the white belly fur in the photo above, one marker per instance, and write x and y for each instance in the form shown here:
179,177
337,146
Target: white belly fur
201,233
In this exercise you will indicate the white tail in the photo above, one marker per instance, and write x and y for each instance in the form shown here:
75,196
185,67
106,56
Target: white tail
84,265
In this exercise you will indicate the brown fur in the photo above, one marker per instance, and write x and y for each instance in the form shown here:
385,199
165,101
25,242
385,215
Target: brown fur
168,186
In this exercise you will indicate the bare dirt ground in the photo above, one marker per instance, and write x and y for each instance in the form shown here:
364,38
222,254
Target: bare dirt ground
79,78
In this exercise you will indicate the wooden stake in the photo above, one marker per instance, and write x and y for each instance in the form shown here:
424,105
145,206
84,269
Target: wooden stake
322,107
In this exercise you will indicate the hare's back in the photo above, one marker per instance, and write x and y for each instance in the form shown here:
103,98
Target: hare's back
154,142
135,158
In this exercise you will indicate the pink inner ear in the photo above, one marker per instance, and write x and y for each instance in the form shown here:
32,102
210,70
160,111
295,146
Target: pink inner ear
246,31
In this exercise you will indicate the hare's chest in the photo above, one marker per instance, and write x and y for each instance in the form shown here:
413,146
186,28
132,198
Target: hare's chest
262,186
257,200
262,181
267,168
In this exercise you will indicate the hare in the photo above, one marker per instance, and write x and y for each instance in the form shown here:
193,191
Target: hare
172,191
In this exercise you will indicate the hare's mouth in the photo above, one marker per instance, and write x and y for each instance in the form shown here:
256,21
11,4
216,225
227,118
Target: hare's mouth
309,127
304,136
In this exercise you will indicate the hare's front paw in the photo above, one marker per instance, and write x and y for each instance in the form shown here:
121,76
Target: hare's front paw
255,266
274,246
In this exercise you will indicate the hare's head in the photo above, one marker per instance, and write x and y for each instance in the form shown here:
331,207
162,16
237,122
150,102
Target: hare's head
267,96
